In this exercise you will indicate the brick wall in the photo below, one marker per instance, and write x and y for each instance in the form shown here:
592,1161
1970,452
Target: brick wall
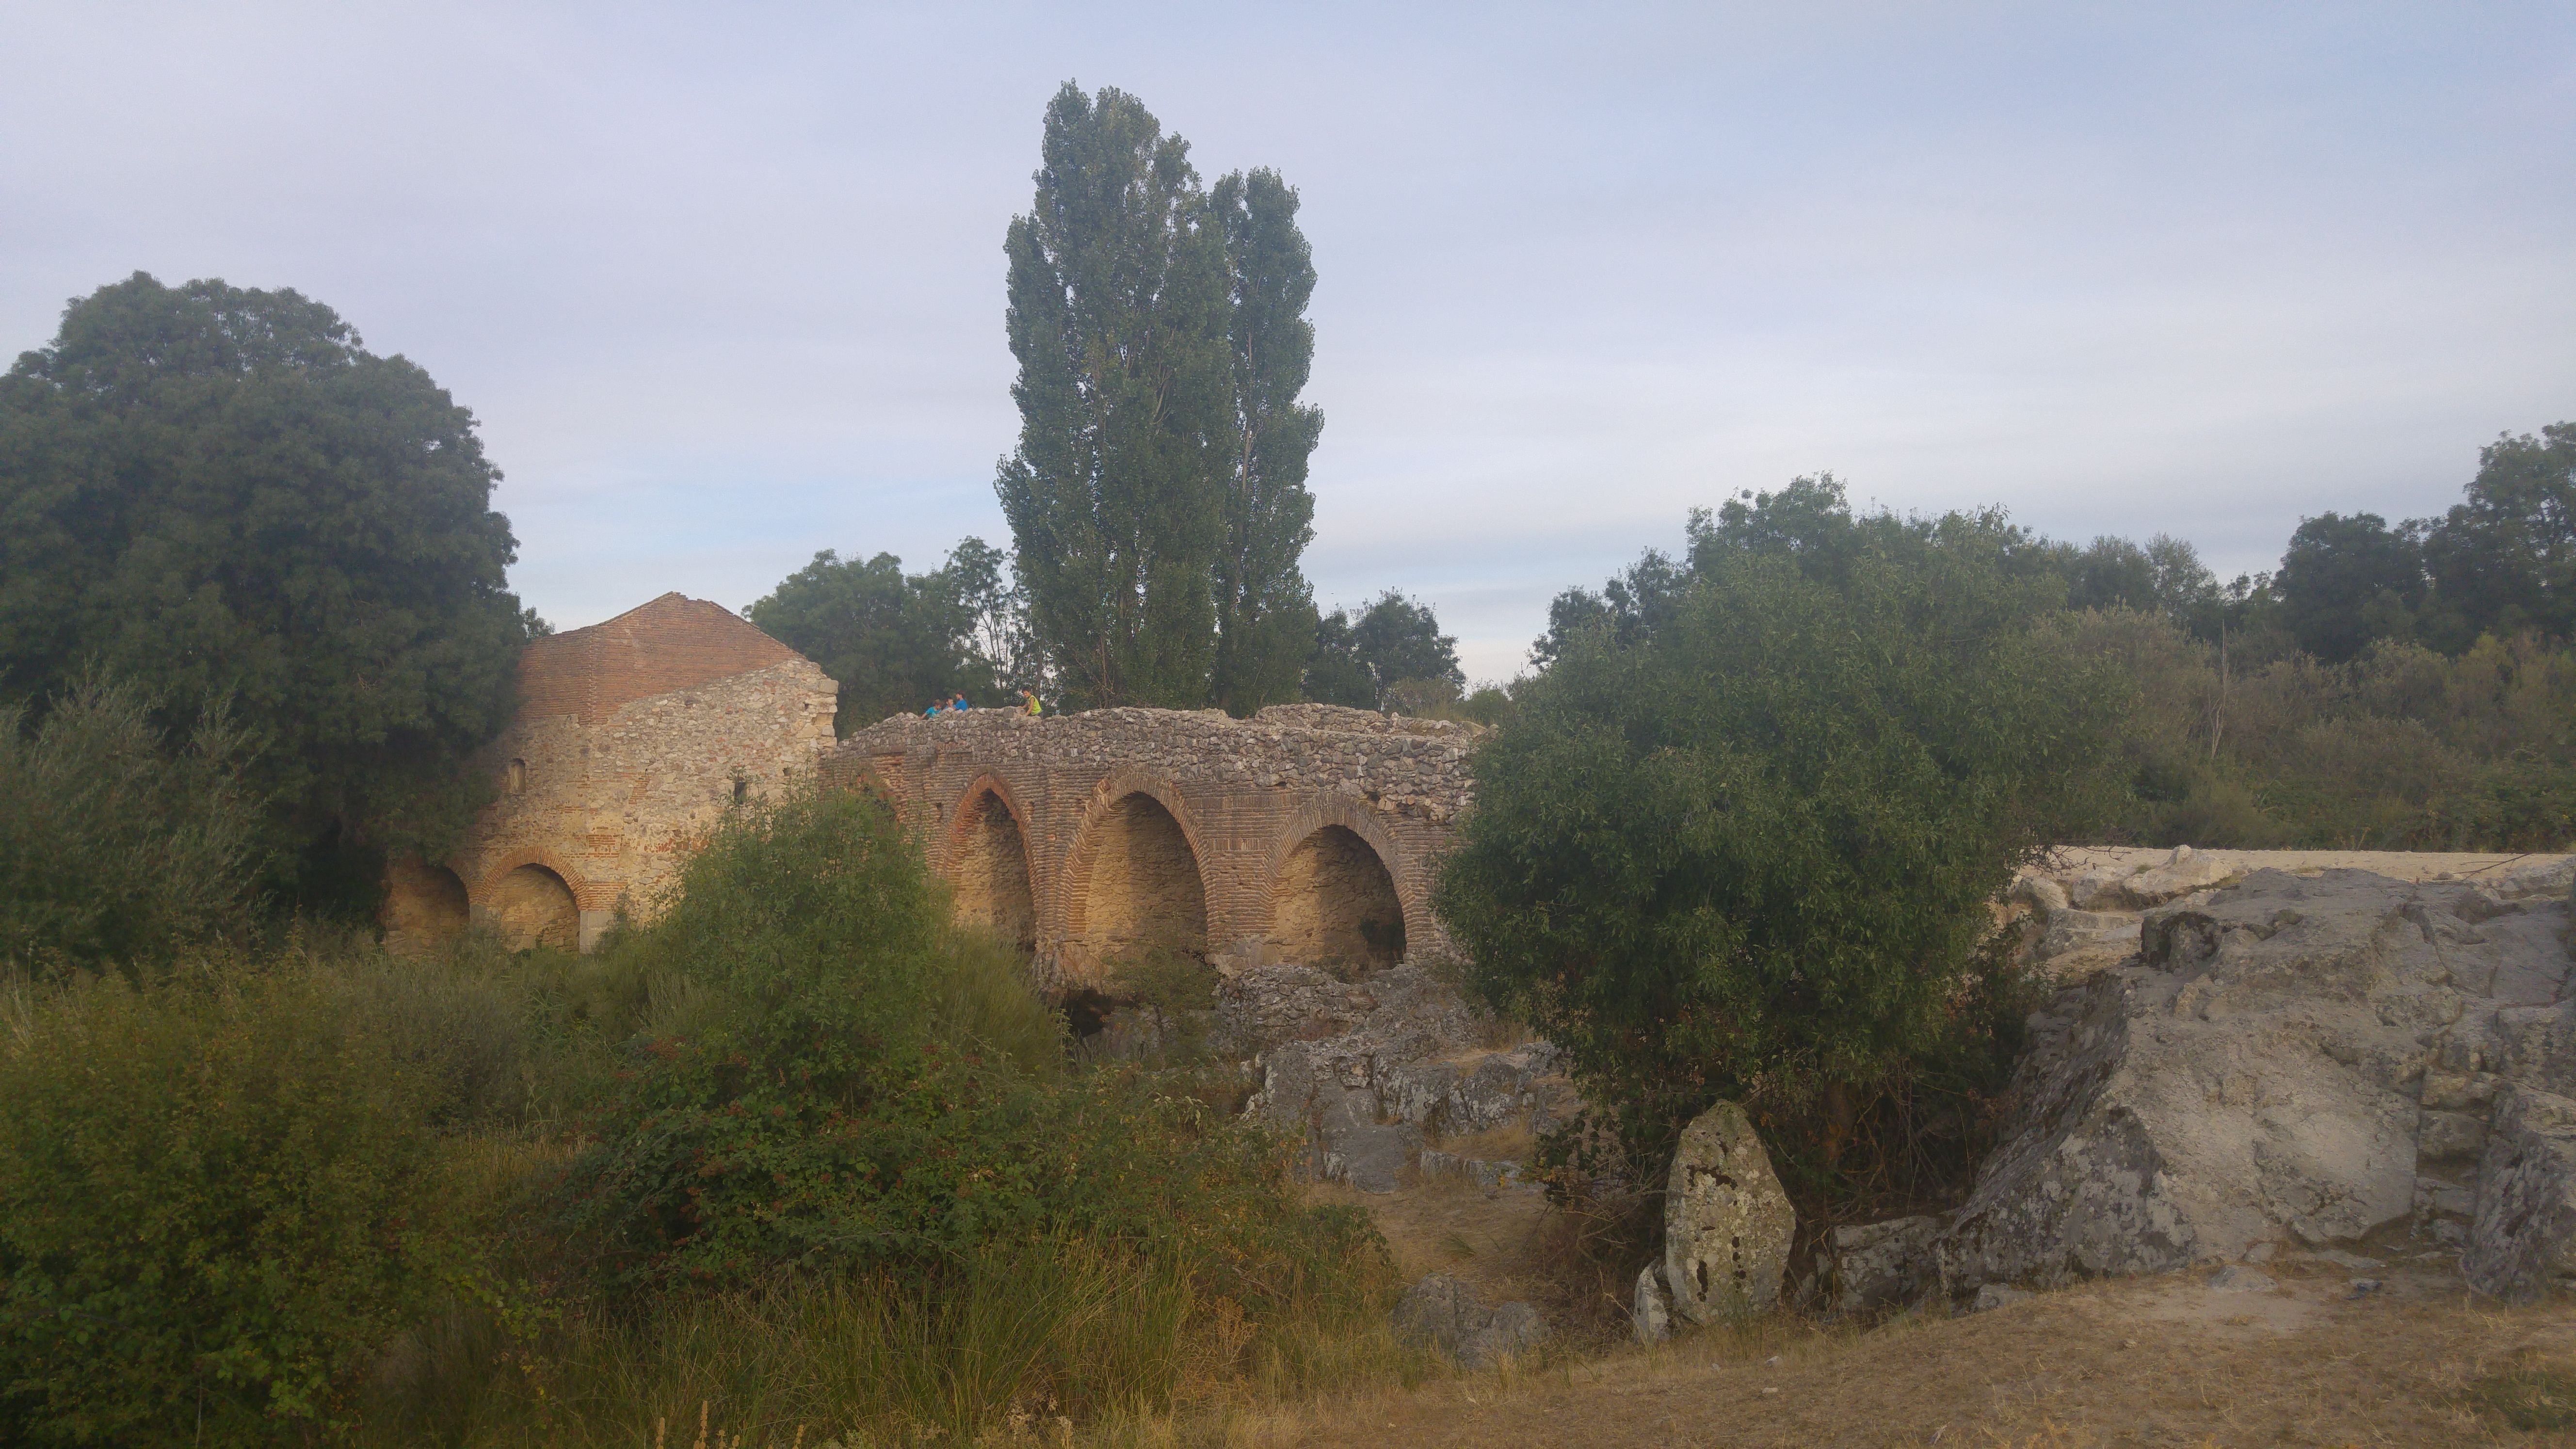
631,739
1241,798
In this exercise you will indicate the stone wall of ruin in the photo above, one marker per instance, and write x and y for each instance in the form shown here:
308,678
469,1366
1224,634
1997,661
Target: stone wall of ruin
631,739
1115,829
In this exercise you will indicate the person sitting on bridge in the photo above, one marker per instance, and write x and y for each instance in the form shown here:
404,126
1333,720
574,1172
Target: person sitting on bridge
1034,708
959,704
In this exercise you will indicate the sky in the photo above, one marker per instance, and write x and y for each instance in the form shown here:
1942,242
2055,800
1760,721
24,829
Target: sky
724,284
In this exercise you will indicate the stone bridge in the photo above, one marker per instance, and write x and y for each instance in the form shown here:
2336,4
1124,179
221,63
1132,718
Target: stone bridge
1305,833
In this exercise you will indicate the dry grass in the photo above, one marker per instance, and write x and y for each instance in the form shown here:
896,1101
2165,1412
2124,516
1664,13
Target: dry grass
2145,1362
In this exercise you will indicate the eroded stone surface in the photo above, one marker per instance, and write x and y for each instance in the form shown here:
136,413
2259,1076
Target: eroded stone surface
1884,1265
1445,1312
2287,1059
1727,1223
2522,1242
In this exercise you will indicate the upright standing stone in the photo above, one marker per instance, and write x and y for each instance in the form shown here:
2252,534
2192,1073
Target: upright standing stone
1727,1223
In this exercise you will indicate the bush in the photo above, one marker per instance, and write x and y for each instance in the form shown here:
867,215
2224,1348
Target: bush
217,1204
845,1085
113,848
1752,857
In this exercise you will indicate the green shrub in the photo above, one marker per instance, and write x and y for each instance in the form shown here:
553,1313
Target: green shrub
839,1085
1752,858
217,1203
115,848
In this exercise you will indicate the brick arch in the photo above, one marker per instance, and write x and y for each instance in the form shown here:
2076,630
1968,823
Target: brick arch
1326,812
520,915
986,782
992,875
1103,817
585,895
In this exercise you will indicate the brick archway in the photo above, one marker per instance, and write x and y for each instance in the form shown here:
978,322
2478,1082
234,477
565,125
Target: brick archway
985,859
1335,889
1134,879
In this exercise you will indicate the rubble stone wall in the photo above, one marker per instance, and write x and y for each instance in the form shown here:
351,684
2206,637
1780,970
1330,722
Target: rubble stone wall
1143,824
631,739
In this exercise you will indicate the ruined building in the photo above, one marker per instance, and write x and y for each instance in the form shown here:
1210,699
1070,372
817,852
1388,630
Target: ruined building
1304,833
631,739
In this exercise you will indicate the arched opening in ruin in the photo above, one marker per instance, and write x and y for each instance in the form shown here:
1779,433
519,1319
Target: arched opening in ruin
1140,888
989,871
533,907
424,906
1333,905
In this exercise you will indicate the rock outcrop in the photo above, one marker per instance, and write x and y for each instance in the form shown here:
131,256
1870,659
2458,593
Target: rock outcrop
1727,1223
2288,1059
1371,1102
1445,1312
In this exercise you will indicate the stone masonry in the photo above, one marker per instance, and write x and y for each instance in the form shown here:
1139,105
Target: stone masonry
1304,833
632,737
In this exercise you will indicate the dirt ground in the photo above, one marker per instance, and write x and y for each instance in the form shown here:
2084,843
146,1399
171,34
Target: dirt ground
2315,1360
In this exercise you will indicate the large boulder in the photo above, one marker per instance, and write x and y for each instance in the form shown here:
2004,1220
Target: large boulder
1728,1225
2287,1058
1446,1313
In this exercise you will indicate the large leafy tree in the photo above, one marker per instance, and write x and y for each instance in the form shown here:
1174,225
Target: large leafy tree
895,642
2504,559
1394,640
1750,854
2348,580
221,493
1157,497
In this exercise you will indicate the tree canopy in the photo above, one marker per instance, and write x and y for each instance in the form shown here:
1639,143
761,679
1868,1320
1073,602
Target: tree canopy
1157,497
1394,640
895,642
222,493
1749,853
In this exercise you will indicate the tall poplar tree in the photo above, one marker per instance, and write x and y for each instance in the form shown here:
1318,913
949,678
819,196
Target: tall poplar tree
1265,611
1157,498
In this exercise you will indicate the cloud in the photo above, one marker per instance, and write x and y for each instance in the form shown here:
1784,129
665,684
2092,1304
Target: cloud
725,285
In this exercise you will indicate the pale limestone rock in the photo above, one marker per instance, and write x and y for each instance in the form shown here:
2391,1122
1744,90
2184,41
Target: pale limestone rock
1883,1265
1727,1223
2288,1059
1652,1316
2522,1242
1444,1311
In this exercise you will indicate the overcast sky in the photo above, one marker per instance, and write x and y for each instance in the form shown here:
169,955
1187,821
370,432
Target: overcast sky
724,283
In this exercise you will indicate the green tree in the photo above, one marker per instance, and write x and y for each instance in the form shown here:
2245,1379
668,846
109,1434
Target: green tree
2504,559
116,848
1335,673
2348,581
221,492
893,641
1752,856
1157,498
1265,611
1119,317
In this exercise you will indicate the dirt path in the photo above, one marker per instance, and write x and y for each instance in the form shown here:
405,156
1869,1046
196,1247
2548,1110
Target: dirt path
2163,1361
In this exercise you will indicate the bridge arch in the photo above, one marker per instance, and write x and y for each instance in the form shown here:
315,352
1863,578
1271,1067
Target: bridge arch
1332,889
986,861
1135,878
535,901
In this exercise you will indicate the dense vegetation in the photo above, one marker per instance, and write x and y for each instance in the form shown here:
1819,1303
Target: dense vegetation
1749,856
222,492
799,1115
